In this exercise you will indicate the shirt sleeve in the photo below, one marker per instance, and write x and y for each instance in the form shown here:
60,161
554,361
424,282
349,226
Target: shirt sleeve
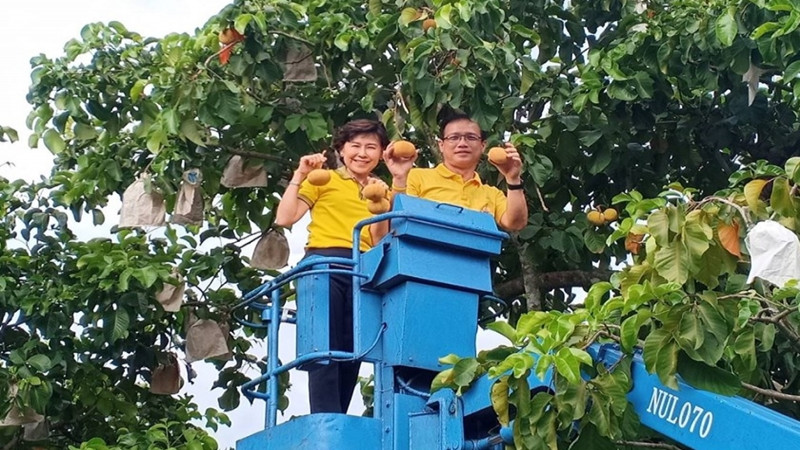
308,193
413,183
500,203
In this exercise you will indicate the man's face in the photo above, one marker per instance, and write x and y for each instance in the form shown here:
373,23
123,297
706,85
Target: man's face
461,144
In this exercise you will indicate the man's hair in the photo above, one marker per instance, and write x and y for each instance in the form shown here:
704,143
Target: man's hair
453,116
352,129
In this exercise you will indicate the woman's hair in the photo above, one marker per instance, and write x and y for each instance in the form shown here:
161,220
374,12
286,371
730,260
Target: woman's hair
352,129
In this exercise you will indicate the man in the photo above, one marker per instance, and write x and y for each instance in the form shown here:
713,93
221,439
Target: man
462,143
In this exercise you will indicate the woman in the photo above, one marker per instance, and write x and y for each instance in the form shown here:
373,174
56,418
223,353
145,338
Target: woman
335,209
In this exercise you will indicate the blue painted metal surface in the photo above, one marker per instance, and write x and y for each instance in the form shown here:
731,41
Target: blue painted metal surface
323,431
416,299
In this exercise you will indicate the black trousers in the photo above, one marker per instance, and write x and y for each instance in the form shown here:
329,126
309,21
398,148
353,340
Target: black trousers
331,386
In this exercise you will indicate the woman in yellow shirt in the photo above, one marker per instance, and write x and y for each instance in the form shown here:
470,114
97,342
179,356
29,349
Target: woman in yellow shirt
335,209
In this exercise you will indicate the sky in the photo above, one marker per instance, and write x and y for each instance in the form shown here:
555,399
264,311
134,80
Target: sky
31,27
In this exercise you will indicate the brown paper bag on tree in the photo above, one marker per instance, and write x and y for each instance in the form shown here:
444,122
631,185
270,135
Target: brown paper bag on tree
141,208
299,64
166,376
271,252
15,417
205,339
37,431
171,296
238,174
189,205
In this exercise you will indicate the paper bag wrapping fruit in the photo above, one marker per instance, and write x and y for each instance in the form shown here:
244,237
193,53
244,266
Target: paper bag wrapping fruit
189,205
142,206
271,252
774,252
239,174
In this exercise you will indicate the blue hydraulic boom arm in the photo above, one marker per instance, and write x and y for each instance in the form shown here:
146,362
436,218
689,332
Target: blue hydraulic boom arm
416,297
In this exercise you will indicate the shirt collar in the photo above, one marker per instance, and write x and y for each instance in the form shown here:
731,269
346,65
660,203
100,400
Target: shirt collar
342,171
442,170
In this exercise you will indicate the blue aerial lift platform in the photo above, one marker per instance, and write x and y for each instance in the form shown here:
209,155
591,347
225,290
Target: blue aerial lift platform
416,298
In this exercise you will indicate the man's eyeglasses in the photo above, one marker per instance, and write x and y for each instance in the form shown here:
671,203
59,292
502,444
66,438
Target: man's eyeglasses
454,138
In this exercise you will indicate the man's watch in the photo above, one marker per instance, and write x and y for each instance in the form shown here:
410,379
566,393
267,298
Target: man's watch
514,187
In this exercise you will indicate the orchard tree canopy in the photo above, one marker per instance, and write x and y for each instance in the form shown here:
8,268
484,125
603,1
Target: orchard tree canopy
609,102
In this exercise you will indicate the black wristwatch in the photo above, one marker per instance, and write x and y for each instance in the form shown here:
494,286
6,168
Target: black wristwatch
514,187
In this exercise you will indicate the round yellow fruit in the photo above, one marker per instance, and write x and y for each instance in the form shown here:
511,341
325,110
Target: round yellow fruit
610,214
404,149
319,177
227,36
428,24
498,155
374,192
379,207
595,218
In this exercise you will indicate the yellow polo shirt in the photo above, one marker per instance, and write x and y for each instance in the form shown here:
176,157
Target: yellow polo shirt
441,185
336,207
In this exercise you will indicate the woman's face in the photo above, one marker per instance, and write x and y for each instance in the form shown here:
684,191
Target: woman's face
362,153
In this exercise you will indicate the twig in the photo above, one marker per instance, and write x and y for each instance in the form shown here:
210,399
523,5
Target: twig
291,36
771,393
741,210
647,444
260,155
541,199
224,47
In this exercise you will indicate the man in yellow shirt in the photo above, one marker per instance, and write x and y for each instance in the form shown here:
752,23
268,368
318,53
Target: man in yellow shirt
455,181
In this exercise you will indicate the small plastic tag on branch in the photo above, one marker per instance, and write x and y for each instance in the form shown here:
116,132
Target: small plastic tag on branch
271,252
774,252
239,174
166,376
205,339
189,205
141,208
299,64
171,296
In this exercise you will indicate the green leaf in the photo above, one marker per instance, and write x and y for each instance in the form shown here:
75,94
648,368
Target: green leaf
752,192
658,227
191,131
567,365
791,71
53,141
781,199
505,329
464,372
791,167
594,241
408,15
137,89
672,262
121,323
726,28
596,293
146,275
40,362
241,22
713,321
708,378
499,397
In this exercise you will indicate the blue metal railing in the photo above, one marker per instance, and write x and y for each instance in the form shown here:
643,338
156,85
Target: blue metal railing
271,311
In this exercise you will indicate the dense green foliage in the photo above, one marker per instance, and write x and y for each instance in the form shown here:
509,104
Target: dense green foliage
609,101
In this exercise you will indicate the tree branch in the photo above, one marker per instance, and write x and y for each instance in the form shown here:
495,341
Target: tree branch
260,155
554,280
772,394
